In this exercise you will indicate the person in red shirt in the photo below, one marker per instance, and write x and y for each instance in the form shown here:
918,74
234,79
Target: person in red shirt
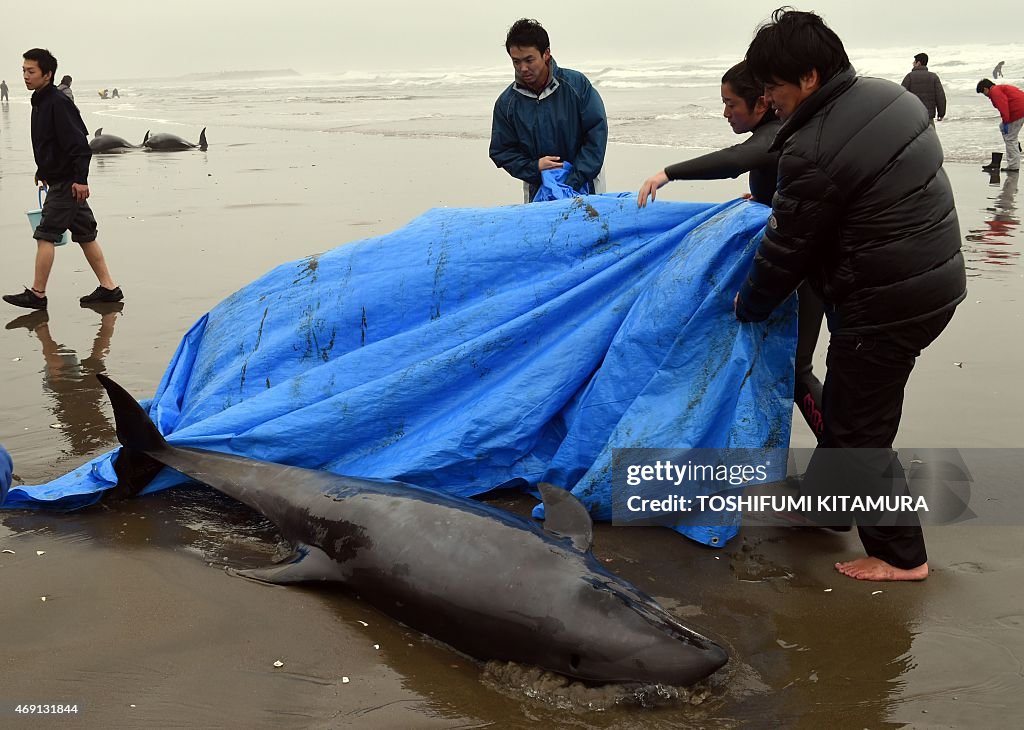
1009,100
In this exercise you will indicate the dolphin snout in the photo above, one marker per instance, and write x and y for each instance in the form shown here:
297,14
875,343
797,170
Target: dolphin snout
681,663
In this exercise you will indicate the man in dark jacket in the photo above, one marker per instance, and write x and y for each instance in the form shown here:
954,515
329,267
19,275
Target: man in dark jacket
864,212
61,146
925,85
549,115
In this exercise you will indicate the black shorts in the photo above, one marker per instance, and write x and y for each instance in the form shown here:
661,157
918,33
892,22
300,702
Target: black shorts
61,212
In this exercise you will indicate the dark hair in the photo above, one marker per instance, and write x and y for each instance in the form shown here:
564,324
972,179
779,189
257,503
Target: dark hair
45,59
793,44
66,80
982,85
745,86
527,33
922,57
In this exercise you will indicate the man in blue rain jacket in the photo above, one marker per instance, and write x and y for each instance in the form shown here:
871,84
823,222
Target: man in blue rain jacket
547,116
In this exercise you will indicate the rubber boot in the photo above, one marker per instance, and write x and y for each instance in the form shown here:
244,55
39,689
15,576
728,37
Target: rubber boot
997,160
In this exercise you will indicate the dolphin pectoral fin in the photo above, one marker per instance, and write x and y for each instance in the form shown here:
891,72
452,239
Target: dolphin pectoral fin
565,516
307,565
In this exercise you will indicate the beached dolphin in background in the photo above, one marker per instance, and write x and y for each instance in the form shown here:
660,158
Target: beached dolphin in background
163,141
105,143
489,583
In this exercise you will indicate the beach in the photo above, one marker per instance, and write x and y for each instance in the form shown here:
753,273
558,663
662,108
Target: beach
142,627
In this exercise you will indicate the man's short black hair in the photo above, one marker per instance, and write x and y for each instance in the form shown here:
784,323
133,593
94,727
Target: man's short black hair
793,44
527,33
66,80
46,60
922,58
982,85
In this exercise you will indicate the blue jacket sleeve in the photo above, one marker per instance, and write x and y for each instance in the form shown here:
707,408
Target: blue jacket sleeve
594,125
505,150
6,470
805,217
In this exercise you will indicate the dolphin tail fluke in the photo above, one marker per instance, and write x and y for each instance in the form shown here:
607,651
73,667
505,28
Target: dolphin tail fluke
138,436
202,140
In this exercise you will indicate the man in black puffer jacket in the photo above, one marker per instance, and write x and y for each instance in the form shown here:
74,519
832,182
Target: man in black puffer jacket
864,212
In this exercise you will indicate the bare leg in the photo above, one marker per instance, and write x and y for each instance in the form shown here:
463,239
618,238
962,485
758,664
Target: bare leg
98,264
44,264
875,569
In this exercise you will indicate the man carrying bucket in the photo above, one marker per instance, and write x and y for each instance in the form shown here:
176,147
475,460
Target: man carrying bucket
61,145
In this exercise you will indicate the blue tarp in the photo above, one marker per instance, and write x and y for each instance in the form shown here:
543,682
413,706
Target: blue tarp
477,345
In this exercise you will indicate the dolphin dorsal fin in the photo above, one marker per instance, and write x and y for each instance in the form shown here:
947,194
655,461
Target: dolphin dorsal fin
565,516
98,132
146,138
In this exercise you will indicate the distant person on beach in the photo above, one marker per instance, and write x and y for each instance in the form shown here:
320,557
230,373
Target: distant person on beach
997,72
547,116
61,145
3,90
925,85
746,111
864,212
65,86
1009,100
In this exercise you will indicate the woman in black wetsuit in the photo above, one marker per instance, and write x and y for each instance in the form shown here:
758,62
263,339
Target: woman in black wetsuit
746,111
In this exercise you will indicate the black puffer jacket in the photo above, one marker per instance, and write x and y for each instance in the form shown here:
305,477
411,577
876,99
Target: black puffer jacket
864,211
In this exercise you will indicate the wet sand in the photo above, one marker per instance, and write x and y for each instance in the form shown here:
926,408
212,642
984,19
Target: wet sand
141,626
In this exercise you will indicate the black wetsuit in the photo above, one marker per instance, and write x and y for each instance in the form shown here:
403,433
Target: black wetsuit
752,155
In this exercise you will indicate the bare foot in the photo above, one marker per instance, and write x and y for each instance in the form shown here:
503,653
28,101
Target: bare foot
875,569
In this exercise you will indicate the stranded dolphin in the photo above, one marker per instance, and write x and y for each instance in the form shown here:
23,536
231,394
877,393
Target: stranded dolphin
106,143
490,584
165,142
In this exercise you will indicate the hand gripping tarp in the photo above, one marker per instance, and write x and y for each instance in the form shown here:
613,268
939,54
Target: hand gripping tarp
473,346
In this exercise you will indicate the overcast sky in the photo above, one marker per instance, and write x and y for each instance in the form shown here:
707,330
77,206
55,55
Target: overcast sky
123,39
